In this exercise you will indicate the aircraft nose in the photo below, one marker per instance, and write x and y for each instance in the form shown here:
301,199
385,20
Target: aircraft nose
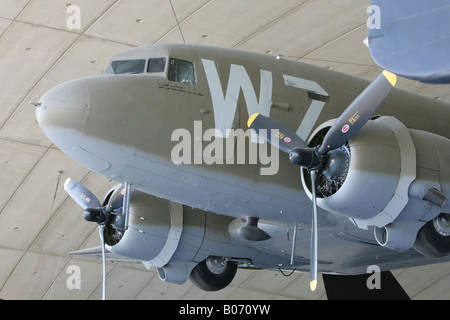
62,113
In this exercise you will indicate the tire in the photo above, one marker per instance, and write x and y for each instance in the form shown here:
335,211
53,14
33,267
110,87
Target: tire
209,278
431,243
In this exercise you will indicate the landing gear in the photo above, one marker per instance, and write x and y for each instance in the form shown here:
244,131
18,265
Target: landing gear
433,240
213,273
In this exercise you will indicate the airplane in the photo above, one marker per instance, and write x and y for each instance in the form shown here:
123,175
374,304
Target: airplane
228,159
410,38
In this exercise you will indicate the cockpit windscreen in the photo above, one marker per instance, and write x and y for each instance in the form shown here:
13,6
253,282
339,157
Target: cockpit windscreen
126,66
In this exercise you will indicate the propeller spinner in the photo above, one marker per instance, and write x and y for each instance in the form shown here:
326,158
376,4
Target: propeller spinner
314,159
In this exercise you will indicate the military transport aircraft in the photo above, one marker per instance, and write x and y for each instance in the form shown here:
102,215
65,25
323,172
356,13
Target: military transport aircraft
201,194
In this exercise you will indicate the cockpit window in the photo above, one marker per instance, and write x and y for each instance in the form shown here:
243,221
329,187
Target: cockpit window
181,71
156,65
126,66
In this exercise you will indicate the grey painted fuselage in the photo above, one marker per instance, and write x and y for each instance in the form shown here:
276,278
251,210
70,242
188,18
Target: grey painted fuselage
121,126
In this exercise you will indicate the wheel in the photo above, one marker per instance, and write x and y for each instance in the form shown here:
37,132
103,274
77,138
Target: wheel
213,273
433,240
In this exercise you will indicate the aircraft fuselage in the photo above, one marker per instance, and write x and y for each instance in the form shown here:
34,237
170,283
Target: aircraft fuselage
162,133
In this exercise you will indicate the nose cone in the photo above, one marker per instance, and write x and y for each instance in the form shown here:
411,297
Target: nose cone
63,113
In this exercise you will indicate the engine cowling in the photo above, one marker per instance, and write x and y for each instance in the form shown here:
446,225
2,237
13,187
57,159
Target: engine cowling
388,176
155,221
174,238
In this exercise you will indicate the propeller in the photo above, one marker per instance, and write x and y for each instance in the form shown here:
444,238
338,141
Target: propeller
314,159
105,216
81,195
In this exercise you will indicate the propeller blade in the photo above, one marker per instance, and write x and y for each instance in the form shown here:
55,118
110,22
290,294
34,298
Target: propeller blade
314,236
102,238
358,112
81,195
287,139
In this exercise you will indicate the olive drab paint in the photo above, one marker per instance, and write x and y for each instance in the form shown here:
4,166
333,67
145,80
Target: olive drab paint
225,104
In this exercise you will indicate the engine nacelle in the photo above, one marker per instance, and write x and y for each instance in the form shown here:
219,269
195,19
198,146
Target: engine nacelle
152,220
174,238
386,175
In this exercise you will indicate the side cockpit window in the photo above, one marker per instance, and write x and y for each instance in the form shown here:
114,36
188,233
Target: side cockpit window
126,66
156,65
181,71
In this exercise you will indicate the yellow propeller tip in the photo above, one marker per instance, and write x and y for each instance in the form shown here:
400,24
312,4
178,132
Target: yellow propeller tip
391,77
313,285
67,182
251,119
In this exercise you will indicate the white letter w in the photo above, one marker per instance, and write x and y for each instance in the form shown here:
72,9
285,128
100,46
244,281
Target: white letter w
225,105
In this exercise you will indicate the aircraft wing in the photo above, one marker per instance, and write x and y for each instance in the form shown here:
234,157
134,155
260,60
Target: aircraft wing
96,253
411,38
